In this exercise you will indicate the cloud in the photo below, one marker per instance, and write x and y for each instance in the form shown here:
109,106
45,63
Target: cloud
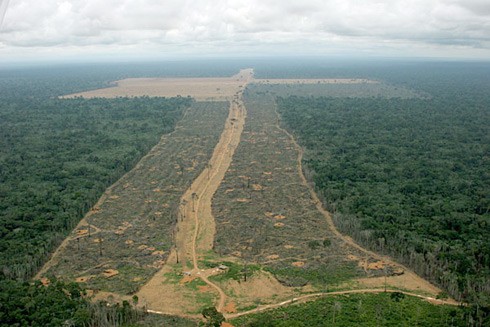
222,25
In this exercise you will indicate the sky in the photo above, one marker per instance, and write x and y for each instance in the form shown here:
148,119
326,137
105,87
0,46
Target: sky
159,29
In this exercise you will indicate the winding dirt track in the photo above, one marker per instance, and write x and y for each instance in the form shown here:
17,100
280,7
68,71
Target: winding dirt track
196,227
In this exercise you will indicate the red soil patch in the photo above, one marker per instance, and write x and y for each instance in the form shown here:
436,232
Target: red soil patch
230,308
187,279
204,288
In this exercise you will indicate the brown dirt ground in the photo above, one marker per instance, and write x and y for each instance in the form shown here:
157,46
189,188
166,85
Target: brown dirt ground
262,286
202,89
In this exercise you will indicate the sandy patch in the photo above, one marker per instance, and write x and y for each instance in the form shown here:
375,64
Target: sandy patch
82,279
279,217
272,257
407,281
262,285
298,264
82,232
198,88
108,273
278,224
257,187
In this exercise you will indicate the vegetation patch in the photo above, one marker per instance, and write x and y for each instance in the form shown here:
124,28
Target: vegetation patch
384,309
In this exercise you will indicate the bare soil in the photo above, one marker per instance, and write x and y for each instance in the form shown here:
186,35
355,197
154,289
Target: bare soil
201,89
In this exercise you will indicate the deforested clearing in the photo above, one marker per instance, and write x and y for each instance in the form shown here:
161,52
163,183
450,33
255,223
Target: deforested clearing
202,89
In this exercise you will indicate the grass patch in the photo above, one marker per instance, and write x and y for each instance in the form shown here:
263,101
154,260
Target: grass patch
235,271
321,276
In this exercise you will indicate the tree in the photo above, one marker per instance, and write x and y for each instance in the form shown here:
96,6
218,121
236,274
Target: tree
213,317
194,198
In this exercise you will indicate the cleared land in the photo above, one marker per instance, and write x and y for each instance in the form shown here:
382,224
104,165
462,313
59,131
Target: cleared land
201,89
127,236
154,230
195,231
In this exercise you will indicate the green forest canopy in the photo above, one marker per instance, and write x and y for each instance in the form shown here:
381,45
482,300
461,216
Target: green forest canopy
408,177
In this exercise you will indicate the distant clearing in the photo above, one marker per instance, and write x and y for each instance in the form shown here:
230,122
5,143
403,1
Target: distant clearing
201,89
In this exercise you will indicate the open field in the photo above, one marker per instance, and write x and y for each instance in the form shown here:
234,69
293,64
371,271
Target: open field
201,89
127,236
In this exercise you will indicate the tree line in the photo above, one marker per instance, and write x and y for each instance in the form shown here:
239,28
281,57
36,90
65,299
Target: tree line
408,177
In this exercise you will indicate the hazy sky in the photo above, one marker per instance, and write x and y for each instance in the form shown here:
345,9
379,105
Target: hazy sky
169,28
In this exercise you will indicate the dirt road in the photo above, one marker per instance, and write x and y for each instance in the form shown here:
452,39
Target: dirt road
196,227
